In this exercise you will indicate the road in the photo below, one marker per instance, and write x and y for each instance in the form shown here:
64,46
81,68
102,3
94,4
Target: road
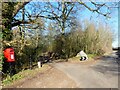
102,74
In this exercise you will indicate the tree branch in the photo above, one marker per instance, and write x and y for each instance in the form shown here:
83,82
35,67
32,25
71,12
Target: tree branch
19,6
98,6
18,22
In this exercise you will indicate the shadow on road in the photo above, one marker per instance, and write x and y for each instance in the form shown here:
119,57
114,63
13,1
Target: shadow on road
108,65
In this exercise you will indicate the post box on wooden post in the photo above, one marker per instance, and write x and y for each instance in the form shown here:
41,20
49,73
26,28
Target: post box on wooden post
9,55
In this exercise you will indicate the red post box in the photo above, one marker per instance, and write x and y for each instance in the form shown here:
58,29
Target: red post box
9,54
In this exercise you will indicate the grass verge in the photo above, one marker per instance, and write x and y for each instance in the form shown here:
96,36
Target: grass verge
77,59
21,75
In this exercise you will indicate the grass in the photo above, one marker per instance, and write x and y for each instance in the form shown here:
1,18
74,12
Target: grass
21,75
1,60
10,80
90,57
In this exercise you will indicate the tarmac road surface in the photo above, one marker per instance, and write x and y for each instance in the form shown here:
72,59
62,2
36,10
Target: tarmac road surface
102,74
